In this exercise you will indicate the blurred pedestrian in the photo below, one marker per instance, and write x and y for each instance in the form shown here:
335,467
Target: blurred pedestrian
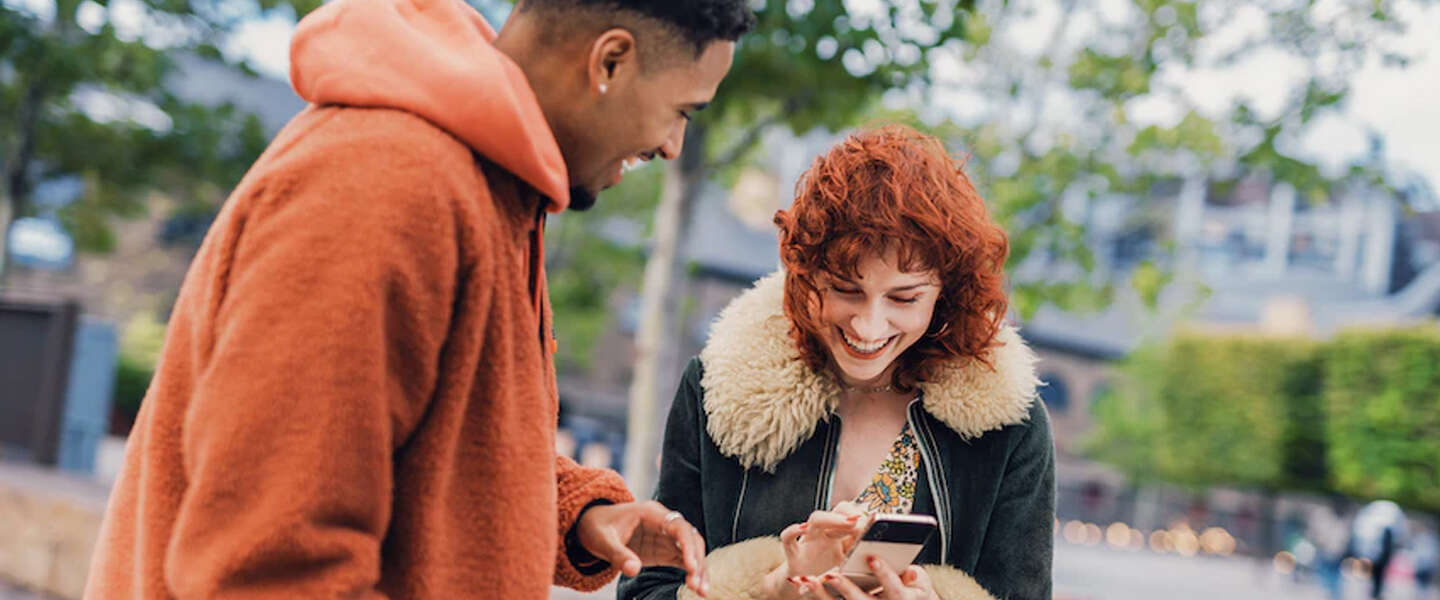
1377,535
1426,555
1326,529
357,393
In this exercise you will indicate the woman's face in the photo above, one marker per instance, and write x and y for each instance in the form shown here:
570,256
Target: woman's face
870,322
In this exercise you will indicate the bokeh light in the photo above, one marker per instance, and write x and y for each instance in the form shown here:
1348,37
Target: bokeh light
1118,535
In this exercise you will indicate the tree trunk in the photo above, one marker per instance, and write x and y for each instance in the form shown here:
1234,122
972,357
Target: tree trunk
656,337
17,167
7,215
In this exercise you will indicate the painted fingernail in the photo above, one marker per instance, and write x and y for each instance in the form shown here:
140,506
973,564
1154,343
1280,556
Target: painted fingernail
872,562
852,518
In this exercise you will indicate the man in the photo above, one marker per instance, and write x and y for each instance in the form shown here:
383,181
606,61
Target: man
357,394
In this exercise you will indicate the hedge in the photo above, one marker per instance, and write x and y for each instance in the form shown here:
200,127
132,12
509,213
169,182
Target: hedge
1358,414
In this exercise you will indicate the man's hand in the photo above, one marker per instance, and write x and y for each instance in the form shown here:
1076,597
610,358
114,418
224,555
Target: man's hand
637,534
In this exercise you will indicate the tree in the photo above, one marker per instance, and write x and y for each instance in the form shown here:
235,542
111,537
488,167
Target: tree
1226,410
1065,103
808,64
1382,396
586,263
84,97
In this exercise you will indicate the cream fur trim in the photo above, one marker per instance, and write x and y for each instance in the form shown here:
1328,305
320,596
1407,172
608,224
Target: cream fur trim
951,583
763,401
737,572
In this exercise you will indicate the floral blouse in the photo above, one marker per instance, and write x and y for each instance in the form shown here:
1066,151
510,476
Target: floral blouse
892,489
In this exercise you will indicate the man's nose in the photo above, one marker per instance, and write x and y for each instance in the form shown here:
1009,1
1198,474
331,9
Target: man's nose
671,148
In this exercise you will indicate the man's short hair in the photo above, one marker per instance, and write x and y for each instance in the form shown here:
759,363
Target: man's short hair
694,22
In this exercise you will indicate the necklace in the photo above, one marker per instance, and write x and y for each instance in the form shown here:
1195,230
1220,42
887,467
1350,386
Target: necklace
889,387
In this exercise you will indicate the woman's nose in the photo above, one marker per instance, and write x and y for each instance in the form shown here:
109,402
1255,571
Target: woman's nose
869,323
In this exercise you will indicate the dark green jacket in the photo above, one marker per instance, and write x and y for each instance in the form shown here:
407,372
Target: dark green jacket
751,440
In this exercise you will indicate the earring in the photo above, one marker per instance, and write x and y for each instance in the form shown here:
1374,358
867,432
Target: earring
942,331
604,88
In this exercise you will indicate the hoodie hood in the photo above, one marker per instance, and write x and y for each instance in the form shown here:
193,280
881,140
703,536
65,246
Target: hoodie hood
432,58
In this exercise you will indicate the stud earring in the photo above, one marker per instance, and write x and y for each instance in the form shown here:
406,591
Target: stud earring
604,88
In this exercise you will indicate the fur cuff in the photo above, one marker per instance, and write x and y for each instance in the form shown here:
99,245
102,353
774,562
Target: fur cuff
953,584
578,487
737,571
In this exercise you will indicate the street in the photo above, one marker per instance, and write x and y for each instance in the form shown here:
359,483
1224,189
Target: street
1086,573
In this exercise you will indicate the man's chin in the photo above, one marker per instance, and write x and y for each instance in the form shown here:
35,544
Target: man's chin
582,199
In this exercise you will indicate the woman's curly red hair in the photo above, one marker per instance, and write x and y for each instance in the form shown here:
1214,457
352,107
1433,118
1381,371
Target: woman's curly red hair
894,188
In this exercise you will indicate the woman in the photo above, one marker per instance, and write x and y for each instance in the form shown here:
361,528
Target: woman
874,374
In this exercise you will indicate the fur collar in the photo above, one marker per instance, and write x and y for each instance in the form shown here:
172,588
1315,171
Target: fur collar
763,401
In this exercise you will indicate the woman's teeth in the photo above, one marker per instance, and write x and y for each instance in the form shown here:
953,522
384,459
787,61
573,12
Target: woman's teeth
864,347
630,164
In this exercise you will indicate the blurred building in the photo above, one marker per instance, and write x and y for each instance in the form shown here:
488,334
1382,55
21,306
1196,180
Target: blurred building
1247,257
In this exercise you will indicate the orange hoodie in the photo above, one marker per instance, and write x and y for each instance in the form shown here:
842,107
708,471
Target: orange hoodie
356,398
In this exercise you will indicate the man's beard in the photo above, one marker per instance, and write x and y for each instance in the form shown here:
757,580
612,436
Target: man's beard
581,199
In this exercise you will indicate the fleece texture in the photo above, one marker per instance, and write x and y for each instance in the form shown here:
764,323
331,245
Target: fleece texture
356,397
762,400
737,572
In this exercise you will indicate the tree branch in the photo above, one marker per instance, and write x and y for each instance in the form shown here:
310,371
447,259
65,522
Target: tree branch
16,182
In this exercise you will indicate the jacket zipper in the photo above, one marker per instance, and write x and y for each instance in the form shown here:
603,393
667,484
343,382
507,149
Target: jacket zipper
537,262
939,490
735,521
827,466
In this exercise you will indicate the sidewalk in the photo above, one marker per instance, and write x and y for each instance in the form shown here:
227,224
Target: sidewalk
49,520
1084,573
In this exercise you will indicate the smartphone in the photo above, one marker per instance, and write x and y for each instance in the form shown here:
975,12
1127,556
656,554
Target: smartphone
895,539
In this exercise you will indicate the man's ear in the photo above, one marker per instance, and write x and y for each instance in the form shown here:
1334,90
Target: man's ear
613,58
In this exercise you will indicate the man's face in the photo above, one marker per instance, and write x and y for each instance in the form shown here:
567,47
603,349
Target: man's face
642,115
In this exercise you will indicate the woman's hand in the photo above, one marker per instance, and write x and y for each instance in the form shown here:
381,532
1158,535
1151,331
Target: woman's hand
822,542
819,544
913,584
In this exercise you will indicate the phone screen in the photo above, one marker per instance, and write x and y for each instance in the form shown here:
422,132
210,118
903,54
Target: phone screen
898,532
